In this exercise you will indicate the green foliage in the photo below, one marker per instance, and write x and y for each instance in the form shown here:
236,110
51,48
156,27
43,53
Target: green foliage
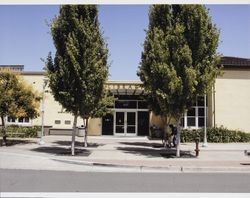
179,60
79,70
191,135
216,135
103,106
16,131
202,37
8,83
17,99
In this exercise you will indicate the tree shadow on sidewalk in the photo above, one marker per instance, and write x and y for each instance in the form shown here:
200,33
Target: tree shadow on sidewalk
152,153
13,142
144,144
61,151
141,151
77,143
183,154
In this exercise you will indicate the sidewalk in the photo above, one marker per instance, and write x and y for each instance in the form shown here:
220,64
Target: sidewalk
134,153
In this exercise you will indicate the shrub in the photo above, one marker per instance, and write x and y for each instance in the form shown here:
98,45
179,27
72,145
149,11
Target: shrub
216,135
1,132
191,135
21,131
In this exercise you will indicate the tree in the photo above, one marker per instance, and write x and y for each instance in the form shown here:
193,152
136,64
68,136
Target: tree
17,99
179,60
79,70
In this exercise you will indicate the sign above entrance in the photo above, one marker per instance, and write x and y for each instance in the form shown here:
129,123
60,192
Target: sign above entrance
125,87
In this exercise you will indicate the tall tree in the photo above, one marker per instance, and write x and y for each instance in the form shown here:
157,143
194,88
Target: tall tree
17,99
179,60
79,70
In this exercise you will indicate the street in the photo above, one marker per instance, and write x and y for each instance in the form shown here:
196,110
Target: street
67,181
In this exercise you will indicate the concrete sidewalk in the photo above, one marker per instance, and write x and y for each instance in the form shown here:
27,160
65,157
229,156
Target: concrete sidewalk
130,153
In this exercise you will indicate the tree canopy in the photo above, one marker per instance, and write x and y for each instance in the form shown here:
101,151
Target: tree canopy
179,60
79,70
17,98
80,66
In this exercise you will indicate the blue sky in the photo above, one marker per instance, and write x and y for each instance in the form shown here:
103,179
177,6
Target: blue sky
25,38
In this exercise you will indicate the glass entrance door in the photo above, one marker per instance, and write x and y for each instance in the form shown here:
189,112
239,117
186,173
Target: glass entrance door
119,123
125,123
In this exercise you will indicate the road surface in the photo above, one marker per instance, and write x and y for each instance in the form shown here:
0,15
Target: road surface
65,181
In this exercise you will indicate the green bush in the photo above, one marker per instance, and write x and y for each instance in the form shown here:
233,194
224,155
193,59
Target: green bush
190,135
216,135
21,131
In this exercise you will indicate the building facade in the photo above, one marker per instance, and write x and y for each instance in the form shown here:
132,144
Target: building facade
228,105
15,68
230,101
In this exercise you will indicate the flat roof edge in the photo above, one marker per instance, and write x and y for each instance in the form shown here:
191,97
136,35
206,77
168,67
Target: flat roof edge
33,73
124,82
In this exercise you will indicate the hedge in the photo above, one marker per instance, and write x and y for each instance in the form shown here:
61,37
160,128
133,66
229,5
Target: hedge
216,135
21,131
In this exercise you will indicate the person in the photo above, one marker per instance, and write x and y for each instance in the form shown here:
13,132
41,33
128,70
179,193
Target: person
173,134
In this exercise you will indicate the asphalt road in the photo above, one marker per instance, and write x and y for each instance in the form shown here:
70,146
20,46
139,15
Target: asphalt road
65,181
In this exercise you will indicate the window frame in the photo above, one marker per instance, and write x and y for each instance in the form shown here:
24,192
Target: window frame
197,116
17,122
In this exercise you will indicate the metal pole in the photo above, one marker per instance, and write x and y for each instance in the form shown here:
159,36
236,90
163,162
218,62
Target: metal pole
205,122
41,142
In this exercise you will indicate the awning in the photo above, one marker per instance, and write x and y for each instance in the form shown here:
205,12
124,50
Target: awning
125,87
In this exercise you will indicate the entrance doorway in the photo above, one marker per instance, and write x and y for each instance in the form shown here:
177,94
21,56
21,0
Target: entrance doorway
143,123
125,123
107,124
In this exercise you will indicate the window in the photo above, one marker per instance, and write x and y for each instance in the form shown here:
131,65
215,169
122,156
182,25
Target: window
18,121
131,104
11,119
142,105
125,104
201,116
23,120
68,122
195,117
57,121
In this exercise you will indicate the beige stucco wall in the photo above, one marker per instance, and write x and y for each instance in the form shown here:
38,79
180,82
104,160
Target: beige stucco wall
232,100
95,126
53,110
156,120
210,108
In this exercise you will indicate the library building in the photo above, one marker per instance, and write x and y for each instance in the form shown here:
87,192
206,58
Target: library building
227,105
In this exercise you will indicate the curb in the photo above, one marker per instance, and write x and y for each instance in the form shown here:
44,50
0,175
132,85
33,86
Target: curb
170,168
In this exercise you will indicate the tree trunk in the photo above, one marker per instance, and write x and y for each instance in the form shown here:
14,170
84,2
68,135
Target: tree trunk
166,137
4,132
166,122
178,138
86,133
165,130
73,136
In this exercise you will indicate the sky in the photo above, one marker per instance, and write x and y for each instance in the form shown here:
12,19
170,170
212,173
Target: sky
25,36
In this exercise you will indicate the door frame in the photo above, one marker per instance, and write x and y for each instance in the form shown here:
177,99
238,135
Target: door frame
125,111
